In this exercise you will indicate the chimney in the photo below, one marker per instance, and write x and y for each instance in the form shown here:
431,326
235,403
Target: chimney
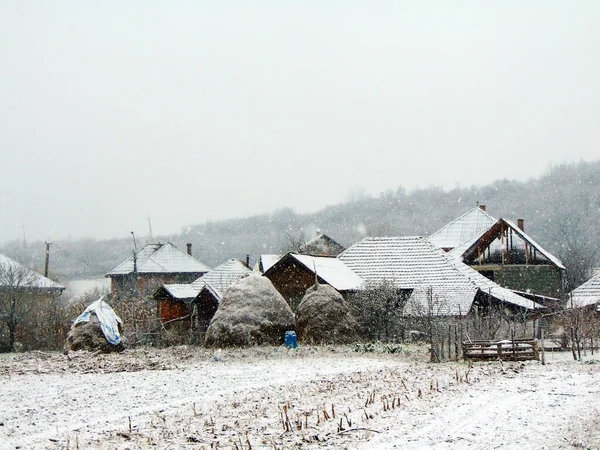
521,224
189,248
248,260
482,207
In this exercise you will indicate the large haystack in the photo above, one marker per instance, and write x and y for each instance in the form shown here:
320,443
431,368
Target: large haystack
251,312
323,317
98,328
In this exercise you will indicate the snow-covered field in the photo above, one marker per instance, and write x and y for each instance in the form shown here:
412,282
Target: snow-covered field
275,398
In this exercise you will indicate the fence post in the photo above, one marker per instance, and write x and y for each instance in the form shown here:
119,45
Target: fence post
456,342
543,348
512,332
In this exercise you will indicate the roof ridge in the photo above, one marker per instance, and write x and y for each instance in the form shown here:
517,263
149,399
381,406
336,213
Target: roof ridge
477,208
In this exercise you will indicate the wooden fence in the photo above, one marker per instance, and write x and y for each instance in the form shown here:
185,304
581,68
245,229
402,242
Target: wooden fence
507,350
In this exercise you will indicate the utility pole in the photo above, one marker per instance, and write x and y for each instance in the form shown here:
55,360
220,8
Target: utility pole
150,237
135,282
47,258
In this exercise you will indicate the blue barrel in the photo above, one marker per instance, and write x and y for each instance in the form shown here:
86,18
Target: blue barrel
290,339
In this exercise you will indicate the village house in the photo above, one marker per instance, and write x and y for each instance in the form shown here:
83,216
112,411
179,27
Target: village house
322,245
153,265
194,304
435,284
428,281
500,250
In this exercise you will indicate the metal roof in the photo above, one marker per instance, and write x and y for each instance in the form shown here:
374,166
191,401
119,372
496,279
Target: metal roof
413,262
13,274
462,229
587,294
160,258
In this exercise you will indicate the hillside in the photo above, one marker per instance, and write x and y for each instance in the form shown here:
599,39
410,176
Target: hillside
561,211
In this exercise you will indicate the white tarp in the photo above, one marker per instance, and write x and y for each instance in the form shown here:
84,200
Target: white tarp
109,321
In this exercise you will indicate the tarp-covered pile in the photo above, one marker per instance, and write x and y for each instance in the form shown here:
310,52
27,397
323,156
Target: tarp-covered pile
97,328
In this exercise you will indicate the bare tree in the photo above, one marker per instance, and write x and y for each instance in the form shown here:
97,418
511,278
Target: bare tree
294,242
378,309
577,251
17,300
581,325
426,312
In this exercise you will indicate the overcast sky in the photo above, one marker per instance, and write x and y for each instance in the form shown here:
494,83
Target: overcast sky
113,112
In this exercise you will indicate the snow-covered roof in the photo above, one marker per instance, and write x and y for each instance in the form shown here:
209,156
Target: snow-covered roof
322,245
216,281
329,269
495,290
160,258
265,262
413,262
586,294
466,247
219,279
462,229
182,291
13,274
405,261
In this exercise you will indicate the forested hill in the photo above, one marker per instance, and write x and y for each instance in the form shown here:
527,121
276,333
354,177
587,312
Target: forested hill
561,209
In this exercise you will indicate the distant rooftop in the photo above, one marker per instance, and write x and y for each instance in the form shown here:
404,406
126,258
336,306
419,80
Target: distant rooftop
22,276
160,258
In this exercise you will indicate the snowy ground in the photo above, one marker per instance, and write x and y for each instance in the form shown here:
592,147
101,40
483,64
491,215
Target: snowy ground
307,398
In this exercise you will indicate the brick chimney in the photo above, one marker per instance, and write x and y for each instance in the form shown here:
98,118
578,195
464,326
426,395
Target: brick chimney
189,248
521,224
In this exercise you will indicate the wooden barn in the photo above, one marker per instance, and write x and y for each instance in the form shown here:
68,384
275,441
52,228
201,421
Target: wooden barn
293,274
195,304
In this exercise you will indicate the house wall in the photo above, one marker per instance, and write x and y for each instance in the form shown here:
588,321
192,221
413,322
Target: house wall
207,306
169,310
537,279
292,281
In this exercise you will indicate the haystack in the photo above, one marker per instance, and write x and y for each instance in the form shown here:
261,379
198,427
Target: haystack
251,312
324,317
98,328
